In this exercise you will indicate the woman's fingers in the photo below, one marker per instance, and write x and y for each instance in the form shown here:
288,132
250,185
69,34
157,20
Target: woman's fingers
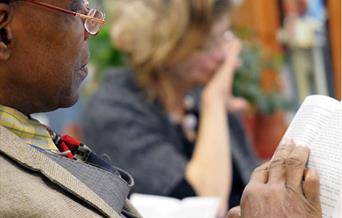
220,86
226,71
237,104
232,61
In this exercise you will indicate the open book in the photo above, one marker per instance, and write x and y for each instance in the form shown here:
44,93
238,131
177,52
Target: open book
152,206
318,124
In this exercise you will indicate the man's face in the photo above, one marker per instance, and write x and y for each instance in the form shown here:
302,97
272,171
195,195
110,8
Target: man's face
50,53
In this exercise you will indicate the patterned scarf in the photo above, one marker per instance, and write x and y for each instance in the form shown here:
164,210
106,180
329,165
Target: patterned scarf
29,130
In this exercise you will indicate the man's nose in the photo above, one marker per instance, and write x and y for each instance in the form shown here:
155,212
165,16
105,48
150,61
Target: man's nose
86,35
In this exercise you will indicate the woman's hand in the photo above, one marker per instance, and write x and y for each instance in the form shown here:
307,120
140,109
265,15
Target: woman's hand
219,88
210,169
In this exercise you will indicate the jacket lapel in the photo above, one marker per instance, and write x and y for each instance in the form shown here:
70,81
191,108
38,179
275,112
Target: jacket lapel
13,147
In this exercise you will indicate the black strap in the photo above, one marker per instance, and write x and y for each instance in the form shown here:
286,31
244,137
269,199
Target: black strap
95,160
183,190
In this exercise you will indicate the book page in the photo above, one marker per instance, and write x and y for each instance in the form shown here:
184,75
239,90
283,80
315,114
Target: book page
317,124
199,207
152,206
338,209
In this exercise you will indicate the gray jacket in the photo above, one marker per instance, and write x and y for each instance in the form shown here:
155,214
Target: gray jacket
137,135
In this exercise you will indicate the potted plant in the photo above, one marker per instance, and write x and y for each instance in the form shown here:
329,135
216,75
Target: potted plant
265,123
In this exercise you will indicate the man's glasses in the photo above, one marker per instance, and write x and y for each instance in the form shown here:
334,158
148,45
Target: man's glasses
93,20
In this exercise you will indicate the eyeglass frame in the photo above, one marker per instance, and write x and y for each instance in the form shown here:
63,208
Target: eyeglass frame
69,12
227,36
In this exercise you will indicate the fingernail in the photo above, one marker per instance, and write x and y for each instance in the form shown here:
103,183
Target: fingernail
289,141
228,35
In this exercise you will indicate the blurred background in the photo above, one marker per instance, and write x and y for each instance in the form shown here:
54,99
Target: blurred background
291,50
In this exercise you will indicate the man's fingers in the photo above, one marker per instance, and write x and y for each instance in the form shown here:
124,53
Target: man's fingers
311,187
286,141
234,212
277,164
295,166
260,174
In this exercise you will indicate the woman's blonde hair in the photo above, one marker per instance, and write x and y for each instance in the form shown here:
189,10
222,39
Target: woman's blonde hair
157,33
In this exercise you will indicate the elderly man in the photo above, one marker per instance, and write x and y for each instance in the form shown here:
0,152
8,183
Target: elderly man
43,57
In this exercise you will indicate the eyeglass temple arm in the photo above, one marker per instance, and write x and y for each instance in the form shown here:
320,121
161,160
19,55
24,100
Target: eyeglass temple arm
83,16
52,7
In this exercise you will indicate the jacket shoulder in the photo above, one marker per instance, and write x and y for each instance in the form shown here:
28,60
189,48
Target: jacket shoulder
26,193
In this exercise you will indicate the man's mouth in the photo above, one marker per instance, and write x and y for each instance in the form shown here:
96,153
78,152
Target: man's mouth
84,71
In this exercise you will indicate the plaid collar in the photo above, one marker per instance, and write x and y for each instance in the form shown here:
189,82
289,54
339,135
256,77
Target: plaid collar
29,130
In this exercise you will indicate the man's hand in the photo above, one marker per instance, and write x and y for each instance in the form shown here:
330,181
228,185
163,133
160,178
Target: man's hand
282,188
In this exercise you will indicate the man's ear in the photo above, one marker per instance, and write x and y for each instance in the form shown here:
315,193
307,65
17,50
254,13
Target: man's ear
6,14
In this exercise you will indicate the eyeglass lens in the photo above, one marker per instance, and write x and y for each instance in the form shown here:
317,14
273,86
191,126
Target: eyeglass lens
92,26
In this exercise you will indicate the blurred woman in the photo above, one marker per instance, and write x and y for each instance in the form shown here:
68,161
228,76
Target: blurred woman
165,120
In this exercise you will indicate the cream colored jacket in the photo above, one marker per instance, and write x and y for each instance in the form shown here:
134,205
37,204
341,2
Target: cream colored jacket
33,185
